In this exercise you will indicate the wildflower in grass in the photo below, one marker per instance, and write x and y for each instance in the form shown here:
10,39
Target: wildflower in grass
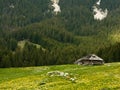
73,80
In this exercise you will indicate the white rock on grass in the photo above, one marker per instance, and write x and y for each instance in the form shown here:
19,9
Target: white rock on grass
66,74
57,73
62,74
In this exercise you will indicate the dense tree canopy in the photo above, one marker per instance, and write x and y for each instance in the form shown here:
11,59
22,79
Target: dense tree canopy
61,38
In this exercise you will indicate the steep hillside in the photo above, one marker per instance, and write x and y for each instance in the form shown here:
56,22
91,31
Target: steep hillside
66,29
74,14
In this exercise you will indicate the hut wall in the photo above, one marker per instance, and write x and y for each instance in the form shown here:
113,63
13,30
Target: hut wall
87,62
97,62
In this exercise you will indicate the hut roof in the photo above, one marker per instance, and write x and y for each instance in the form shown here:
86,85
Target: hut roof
90,57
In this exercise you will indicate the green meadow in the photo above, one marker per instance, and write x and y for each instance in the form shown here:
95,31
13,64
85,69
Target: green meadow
72,77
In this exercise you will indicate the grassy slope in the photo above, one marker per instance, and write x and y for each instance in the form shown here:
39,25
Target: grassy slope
22,44
106,77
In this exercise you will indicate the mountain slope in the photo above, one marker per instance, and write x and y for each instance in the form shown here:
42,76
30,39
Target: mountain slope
66,35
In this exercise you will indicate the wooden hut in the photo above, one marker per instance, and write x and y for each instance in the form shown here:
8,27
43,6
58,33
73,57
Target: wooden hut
91,59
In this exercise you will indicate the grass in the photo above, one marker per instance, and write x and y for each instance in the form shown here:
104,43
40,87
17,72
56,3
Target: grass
105,77
21,44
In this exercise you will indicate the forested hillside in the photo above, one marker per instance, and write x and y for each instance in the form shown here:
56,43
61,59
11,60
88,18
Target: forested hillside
64,33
